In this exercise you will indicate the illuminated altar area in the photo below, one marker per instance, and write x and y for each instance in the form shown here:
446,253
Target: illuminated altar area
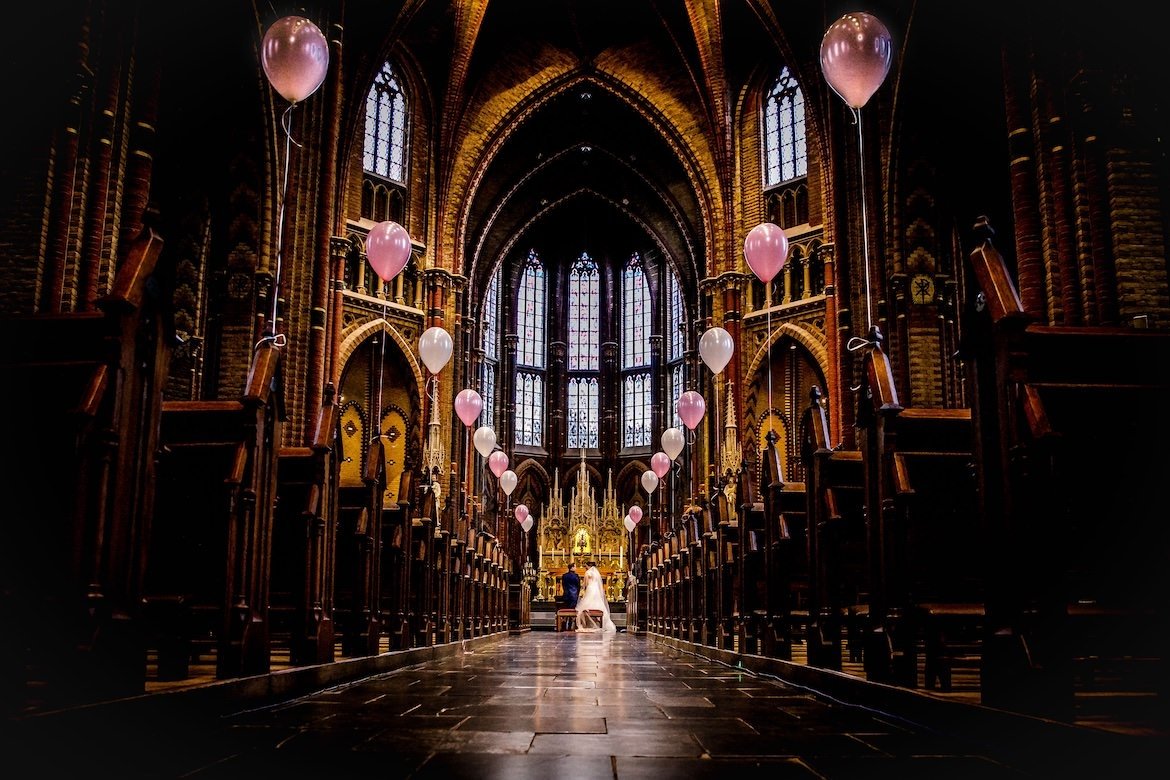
579,533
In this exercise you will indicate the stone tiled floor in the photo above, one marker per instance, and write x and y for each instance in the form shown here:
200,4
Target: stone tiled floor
542,705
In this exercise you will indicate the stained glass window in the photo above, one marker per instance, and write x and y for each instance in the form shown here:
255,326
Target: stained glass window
530,326
635,315
487,391
529,409
584,315
491,350
675,342
584,329
636,409
491,307
676,389
636,328
583,413
674,325
530,313
785,148
385,141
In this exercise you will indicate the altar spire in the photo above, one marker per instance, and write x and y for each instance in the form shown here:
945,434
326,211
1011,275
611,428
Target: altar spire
581,531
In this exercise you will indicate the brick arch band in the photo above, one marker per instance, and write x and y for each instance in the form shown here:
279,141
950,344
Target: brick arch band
352,340
806,339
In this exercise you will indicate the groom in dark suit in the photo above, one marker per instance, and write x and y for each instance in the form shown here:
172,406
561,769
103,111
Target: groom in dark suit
571,585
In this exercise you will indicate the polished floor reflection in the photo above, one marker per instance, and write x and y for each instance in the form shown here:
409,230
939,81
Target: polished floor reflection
549,705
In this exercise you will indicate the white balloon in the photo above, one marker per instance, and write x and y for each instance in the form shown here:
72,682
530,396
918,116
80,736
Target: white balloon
485,440
435,347
629,524
716,347
527,524
508,482
649,480
673,441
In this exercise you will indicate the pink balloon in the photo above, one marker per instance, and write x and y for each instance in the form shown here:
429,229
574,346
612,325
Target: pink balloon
691,408
766,250
521,513
635,513
498,462
468,405
388,248
855,57
295,56
660,464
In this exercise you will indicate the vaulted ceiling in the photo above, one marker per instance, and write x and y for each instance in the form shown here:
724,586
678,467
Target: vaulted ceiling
601,122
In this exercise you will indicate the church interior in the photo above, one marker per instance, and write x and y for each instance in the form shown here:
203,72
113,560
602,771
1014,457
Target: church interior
836,335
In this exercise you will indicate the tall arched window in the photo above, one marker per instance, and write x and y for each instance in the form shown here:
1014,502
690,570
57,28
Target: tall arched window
584,353
491,351
530,351
385,146
635,355
785,149
675,341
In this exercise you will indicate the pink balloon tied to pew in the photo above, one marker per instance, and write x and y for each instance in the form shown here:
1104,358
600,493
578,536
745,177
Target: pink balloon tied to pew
295,57
856,53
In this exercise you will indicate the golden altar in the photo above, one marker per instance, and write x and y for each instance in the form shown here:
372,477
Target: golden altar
579,533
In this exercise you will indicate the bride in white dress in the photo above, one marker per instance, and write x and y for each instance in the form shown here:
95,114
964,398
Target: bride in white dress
593,598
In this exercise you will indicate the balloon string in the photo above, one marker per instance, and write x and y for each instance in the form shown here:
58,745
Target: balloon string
381,365
769,355
272,336
286,123
858,342
692,437
864,218
277,340
670,509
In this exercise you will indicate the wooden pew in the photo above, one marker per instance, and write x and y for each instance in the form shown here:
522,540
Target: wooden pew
83,393
924,536
708,569
662,612
359,557
422,583
726,569
1071,425
942,550
212,536
394,599
753,587
785,561
692,592
834,490
444,592
457,575
459,584
304,544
